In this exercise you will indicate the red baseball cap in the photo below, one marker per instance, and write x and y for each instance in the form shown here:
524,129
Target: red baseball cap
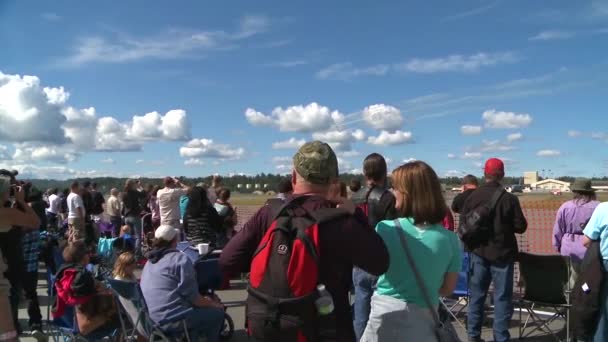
495,167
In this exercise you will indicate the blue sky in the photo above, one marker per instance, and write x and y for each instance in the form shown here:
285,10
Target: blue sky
155,88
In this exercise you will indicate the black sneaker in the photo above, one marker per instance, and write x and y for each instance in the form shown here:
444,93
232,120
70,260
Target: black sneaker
38,333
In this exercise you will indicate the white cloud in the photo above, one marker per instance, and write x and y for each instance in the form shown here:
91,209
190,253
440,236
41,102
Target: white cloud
383,117
347,71
27,113
454,173
112,136
288,64
257,118
340,140
509,120
494,146
339,136
173,125
28,152
344,164
407,160
206,148
252,25
457,63
140,161
552,35
108,161
169,44
283,168
451,156
471,130
291,143
548,153
278,160
194,162
514,137
471,155
31,171
387,138
310,118
574,134
4,153
349,154
599,135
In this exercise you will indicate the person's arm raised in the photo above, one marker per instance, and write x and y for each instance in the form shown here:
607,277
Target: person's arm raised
16,217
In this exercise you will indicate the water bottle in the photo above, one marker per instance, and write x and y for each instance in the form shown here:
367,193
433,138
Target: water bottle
325,304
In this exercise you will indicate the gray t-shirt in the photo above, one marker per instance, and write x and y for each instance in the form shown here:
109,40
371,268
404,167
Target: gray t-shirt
169,285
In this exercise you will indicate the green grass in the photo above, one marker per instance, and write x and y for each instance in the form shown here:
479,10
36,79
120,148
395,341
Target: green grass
248,199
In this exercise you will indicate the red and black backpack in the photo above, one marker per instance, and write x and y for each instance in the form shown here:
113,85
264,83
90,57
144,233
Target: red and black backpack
285,274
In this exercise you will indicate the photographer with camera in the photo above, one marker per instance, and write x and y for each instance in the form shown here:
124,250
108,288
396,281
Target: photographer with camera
13,214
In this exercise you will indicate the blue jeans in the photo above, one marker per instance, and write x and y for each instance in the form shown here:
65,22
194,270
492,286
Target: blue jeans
365,284
205,322
136,225
481,274
601,334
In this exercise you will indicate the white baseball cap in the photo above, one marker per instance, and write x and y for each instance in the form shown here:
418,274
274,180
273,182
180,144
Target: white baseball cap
166,233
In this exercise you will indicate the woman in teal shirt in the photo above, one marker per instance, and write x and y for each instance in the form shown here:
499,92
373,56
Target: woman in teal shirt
398,307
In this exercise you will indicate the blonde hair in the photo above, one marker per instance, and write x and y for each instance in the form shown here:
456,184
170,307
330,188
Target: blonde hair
123,261
420,192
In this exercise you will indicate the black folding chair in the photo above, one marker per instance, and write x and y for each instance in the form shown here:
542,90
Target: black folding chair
545,280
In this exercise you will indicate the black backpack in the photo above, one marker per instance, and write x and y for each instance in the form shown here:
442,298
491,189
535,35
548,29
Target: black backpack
587,292
368,201
476,226
284,276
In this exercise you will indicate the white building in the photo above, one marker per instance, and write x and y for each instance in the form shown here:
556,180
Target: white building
248,186
552,185
238,186
530,177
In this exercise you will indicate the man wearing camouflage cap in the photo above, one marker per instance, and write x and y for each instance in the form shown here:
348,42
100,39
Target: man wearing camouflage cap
346,242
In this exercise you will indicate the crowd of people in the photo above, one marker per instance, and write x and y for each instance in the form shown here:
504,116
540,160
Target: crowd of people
389,242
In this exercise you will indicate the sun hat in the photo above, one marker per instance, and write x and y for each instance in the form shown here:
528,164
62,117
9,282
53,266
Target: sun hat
582,185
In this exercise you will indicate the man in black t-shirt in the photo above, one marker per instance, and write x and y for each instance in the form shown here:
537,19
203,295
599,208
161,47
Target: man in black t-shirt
380,204
97,200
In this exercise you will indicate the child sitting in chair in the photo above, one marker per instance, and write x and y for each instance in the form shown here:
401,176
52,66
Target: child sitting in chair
96,314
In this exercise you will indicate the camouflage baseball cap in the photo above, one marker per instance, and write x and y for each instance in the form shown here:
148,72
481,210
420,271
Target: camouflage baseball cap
316,162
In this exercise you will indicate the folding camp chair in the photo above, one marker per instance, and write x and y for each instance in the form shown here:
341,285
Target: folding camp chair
456,304
65,328
545,280
173,328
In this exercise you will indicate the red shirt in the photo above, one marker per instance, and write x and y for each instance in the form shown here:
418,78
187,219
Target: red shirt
343,243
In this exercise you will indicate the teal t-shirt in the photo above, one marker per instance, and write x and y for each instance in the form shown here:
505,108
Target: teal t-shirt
436,251
597,228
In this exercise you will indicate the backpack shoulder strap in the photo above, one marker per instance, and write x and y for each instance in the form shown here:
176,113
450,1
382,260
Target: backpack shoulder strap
495,198
375,194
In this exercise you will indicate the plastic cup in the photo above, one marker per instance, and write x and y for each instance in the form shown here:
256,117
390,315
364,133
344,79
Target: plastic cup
203,248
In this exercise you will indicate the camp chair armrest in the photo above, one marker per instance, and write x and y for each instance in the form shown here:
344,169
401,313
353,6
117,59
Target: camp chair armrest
176,317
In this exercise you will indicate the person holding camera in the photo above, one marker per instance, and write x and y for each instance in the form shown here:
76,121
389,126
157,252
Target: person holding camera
20,215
